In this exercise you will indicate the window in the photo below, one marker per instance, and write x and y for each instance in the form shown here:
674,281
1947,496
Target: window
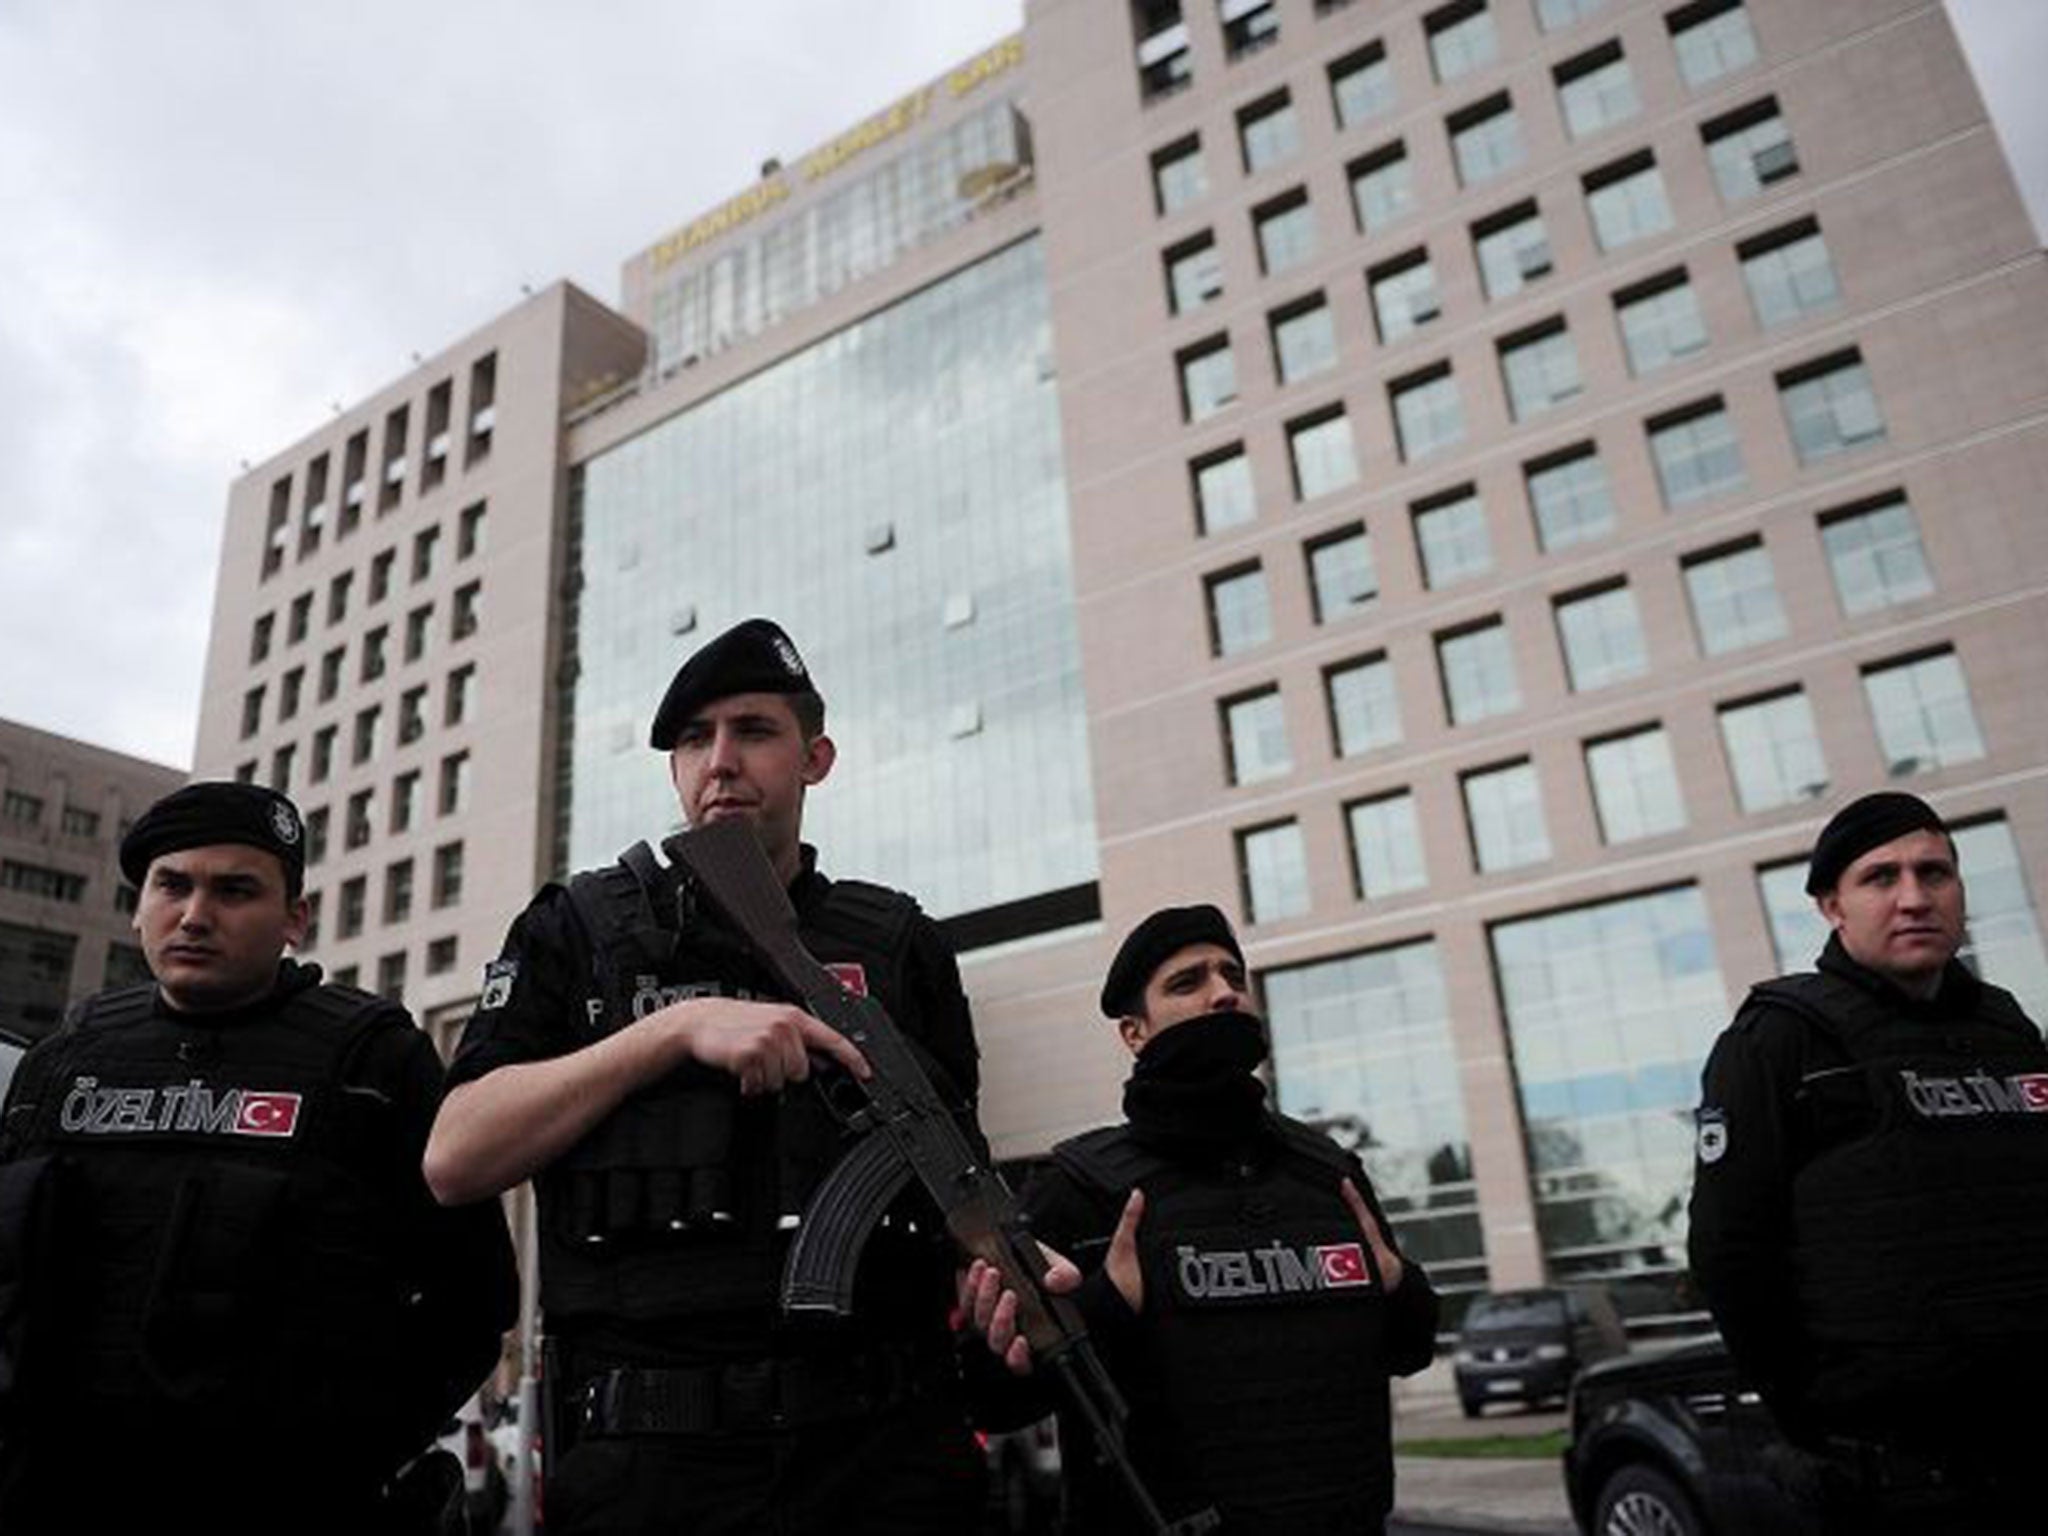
337,596
1711,39
1451,537
77,821
1635,785
1386,846
1382,187
1596,91
467,611
461,695
42,881
290,688
1504,811
1428,415
1734,600
316,836
2004,943
21,808
1569,493
1178,177
394,460
1660,322
1696,453
418,624
1208,378
1341,578
412,715
366,740
330,674
1240,615
1268,133
1602,635
1749,149
454,795
252,711
1404,296
1223,490
1163,63
1922,708
391,976
1248,25
373,652
1626,201
405,800
356,829
1304,339
354,461
1541,369
1461,39
1556,15
441,956
1478,668
1830,407
1361,85
469,532
1273,868
274,536
354,898
281,761
483,408
1194,274
447,874
1798,931
299,618
1788,274
1874,554
259,637
1486,140
1365,712
1286,229
1773,751
398,891
1255,737
1513,249
1321,451
245,773
424,543
380,575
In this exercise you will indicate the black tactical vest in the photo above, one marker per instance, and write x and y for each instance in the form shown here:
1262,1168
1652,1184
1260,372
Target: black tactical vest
1262,1387
199,1218
1921,1214
682,1200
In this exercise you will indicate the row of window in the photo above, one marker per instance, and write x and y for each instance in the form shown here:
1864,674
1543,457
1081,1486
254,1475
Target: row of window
373,662
406,805
1920,705
351,907
283,532
298,614
22,809
391,968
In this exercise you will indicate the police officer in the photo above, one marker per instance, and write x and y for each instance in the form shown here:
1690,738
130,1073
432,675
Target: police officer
1239,1280
227,1300
629,1053
1870,1206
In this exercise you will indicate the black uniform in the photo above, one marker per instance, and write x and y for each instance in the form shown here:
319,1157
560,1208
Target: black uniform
1257,1370
689,1402
226,1295
1870,1222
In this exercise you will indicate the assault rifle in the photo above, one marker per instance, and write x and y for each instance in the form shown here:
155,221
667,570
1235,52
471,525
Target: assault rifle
909,1133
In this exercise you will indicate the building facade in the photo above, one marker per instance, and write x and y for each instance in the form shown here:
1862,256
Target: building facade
1468,486
66,915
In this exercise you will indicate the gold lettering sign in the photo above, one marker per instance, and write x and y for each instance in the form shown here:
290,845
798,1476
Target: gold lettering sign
884,125
1005,55
727,215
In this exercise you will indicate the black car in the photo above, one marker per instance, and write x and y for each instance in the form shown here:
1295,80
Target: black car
1674,1443
1526,1346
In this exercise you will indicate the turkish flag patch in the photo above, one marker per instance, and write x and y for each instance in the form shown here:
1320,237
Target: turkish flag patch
851,975
267,1114
2033,1087
1343,1264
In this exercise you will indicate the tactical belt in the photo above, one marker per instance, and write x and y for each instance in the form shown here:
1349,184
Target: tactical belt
755,1395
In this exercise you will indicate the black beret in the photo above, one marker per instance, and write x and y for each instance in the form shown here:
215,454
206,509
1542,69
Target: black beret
200,815
1161,936
754,656
1862,825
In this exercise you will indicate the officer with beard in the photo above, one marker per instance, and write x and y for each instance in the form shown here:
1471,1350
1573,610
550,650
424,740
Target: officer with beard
1233,1266
227,1300
1870,1201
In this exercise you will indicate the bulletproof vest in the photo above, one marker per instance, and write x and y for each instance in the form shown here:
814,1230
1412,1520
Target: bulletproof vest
192,1215
682,1200
1264,1388
1920,1249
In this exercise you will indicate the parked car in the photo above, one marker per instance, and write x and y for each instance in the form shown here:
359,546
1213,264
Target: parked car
12,1048
1024,1480
1673,1442
1527,1346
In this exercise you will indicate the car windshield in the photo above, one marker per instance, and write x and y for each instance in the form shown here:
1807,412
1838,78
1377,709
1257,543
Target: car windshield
1495,1314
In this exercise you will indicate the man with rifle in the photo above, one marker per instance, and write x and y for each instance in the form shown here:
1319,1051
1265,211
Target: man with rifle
631,1053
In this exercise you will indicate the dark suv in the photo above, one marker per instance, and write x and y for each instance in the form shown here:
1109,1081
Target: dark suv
1672,1442
1526,1346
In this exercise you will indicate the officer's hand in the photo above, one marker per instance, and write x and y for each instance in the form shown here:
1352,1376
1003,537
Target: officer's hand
1388,1261
764,1045
1125,1273
987,1304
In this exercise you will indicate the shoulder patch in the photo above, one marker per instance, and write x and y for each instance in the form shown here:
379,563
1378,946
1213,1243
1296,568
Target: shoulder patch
497,988
1712,1134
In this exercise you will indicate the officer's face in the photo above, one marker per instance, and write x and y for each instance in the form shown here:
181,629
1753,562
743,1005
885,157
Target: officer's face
745,756
1899,909
1201,979
214,922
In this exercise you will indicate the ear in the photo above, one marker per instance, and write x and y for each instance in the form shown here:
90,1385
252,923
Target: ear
1829,904
1131,1030
298,916
819,757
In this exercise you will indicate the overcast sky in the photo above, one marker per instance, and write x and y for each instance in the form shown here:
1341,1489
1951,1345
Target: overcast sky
216,218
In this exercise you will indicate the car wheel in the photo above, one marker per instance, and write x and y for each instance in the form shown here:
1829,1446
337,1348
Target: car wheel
1471,1406
1640,1501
